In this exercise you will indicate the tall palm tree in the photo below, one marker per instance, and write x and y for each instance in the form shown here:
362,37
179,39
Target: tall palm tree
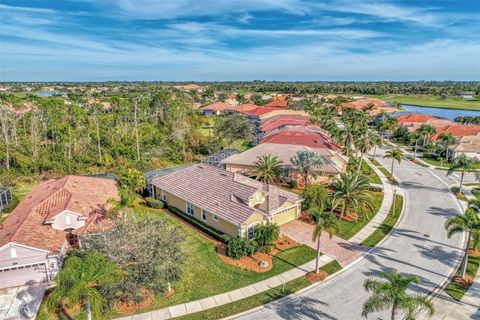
426,131
395,155
350,193
388,123
78,281
463,164
346,138
377,142
413,137
364,144
327,222
447,139
307,162
390,291
469,223
268,169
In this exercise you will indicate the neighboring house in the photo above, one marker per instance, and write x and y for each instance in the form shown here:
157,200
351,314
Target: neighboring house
414,121
467,145
277,103
363,104
229,202
302,136
216,109
244,163
36,234
262,114
5,198
457,130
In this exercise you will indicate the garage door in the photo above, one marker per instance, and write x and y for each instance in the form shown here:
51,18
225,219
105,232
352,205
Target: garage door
285,216
18,276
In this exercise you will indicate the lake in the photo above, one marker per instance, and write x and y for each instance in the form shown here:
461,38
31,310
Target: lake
49,93
450,114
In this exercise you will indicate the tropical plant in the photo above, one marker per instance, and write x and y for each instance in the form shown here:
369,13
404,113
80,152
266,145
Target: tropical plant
307,162
233,127
315,197
350,193
447,139
387,123
78,283
468,223
395,155
377,142
463,164
238,247
326,222
426,131
268,169
413,138
364,144
265,235
390,291
131,180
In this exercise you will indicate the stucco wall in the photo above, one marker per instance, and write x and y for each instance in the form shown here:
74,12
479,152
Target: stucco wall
60,221
23,256
286,216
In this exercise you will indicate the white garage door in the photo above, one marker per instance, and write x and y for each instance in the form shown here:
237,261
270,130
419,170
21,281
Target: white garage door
18,276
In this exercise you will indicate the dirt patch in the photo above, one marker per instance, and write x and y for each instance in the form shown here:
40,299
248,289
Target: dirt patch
252,263
474,253
464,282
352,216
313,277
130,306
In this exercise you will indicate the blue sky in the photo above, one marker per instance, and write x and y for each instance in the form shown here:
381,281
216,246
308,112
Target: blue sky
204,40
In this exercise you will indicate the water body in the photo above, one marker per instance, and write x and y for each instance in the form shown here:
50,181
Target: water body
49,93
449,114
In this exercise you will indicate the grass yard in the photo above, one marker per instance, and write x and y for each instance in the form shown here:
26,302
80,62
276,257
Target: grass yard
476,193
258,299
19,191
206,275
347,229
431,101
457,291
435,162
372,176
387,225
460,196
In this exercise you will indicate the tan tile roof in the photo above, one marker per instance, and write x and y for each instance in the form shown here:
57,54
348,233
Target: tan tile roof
221,192
334,161
26,223
467,144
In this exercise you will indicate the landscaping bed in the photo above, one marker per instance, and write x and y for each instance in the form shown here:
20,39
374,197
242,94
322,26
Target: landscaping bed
460,196
458,287
387,224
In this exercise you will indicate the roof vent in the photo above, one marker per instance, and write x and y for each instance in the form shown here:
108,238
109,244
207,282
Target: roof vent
201,167
224,174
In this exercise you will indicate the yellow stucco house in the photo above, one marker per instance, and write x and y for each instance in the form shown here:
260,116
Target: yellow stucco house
227,201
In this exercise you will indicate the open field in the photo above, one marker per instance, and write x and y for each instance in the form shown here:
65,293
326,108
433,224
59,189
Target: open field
431,101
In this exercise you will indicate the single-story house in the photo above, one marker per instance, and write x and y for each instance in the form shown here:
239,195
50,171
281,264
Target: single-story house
457,130
227,201
35,235
467,145
244,163
302,136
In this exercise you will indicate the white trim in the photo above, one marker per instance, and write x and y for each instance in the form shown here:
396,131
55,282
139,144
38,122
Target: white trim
214,217
203,213
80,217
22,245
4,269
283,209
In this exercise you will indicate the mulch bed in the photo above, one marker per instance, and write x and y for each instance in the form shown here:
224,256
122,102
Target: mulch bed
125,307
313,277
464,282
474,253
252,263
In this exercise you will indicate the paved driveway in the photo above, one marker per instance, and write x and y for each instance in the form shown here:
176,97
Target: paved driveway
419,246
20,302
342,250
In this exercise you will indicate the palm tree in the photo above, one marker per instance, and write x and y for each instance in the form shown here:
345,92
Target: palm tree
391,292
447,140
426,131
325,222
346,138
464,164
413,137
364,144
268,169
350,192
78,281
377,142
388,123
469,223
307,162
394,154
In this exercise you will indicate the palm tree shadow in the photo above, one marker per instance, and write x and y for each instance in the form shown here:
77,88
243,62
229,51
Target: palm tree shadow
301,308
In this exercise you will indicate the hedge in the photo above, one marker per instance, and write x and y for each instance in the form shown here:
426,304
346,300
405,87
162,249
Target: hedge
200,225
154,203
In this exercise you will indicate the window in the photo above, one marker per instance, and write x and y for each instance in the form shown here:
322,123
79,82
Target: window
214,217
251,230
203,215
13,252
68,221
164,196
286,172
190,209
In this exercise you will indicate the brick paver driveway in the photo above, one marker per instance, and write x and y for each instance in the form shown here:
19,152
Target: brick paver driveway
343,251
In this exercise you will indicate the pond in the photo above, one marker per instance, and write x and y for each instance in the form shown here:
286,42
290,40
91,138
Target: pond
449,114
49,93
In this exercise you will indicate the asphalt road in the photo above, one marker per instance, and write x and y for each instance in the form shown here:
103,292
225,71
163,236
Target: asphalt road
419,246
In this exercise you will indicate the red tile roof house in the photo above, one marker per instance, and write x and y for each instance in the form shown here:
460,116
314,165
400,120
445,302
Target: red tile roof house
414,121
36,234
302,138
270,126
227,201
219,108
457,130
244,163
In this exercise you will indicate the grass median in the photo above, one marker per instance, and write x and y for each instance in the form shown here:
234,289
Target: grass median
457,291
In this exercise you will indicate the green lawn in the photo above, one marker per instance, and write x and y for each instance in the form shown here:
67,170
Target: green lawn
457,291
20,190
476,193
206,275
372,176
258,299
435,162
347,229
387,225
459,196
431,101
388,175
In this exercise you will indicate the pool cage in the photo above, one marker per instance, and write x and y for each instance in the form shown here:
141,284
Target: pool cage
5,197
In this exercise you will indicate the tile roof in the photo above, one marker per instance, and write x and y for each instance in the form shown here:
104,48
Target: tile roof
285,116
457,130
362,103
279,103
26,223
307,129
297,137
223,193
467,144
411,118
263,110
272,125
218,106
334,161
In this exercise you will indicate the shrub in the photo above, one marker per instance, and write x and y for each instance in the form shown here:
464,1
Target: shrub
238,247
316,196
154,203
293,184
266,234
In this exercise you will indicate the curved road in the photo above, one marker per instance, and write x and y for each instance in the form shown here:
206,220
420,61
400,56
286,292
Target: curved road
418,246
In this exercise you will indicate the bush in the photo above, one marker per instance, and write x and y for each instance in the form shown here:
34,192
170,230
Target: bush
266,234
220,236
238,247
154,203
293,184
